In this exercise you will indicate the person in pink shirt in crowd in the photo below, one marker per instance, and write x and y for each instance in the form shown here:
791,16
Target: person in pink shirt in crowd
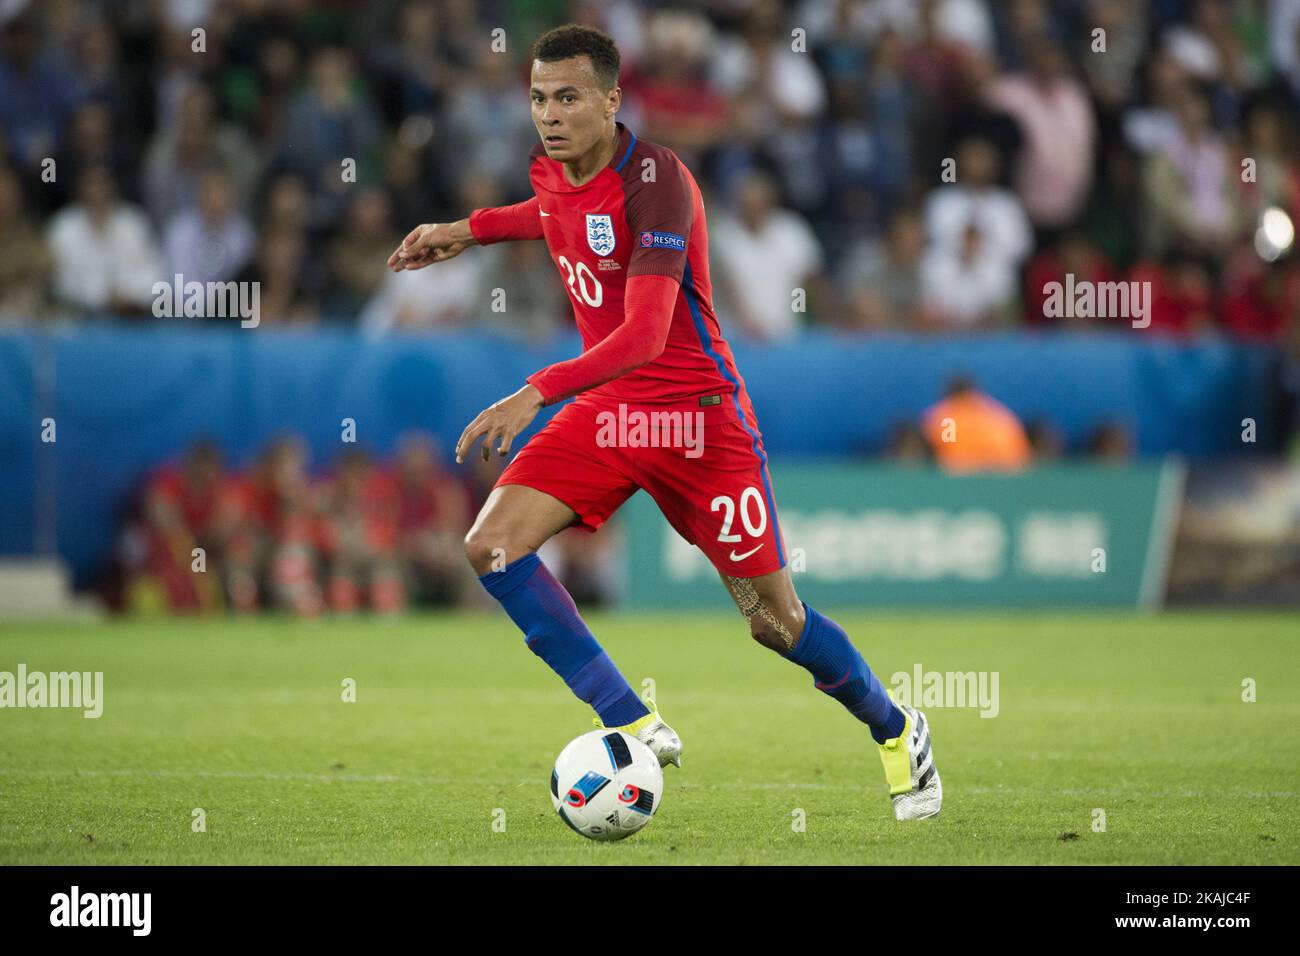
1053,174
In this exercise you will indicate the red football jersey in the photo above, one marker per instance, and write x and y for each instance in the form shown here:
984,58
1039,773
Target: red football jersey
641,215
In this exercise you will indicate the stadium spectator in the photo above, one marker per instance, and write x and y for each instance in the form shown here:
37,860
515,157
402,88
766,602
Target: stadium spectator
358,512
432,515
970,112
1150,123
1284,42
970,431
89,140
1110,443
970,286
106,80
1111,78
864,161
283,521
287,204
262,76
1210,45
180,155
907,445
1182,298
785,95
759,56
1188,185
1073,254
357,256
1270,146
487,126
26,264
1046,441
762,256
106,256
1263,303
940,35
280,269
963,25
415,66
37,92
421,188
880,281
1054,170
330,123
211,241
519,294
189,505
976,199
678,100
1020,25
446,297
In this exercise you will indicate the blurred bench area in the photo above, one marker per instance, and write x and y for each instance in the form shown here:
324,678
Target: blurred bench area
313,468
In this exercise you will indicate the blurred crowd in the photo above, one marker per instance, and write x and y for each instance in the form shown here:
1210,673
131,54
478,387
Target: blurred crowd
363,534
908,164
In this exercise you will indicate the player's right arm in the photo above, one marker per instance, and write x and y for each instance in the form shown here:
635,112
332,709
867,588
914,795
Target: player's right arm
439,241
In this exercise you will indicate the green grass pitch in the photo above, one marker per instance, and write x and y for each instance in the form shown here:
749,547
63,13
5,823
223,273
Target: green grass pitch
456,724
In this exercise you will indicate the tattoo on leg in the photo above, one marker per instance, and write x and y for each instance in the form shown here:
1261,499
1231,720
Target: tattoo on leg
751,605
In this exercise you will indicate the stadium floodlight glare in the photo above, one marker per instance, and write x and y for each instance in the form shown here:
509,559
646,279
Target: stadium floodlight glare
1275,234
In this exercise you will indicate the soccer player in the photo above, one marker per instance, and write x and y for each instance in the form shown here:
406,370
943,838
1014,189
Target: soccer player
624,222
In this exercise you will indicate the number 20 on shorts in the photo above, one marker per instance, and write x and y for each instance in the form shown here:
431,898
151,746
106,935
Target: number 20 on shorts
750,500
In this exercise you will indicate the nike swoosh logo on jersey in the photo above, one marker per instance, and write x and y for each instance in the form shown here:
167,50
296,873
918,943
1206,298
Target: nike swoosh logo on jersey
543,212
742,557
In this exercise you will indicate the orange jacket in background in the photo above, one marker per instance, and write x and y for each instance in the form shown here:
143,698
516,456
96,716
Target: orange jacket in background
986,435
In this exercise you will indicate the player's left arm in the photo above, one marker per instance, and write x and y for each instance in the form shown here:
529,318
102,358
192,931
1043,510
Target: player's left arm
648,308
659,217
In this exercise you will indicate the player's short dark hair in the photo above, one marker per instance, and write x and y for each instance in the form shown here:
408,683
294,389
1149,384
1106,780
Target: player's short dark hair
572,39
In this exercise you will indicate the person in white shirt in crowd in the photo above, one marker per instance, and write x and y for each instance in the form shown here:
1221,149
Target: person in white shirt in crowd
106,253
969,287
964,23
975,199
759,257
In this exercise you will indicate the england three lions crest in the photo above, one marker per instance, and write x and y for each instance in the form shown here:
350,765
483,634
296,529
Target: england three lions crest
600,233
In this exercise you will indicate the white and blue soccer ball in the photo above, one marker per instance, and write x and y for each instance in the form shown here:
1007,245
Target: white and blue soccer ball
606,784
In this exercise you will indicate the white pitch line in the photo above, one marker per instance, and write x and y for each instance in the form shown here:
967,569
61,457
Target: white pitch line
273,776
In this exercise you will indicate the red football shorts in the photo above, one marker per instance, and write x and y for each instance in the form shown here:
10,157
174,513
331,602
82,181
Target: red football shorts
710,482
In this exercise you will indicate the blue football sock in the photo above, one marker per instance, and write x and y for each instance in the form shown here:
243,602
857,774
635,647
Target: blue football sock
555,632
824,650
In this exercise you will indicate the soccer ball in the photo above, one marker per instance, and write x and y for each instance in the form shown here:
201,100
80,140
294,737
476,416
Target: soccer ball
606,785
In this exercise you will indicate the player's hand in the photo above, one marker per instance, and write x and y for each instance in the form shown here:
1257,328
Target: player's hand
429,243
500,423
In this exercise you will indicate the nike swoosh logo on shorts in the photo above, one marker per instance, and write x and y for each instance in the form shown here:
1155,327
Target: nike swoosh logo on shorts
742,557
